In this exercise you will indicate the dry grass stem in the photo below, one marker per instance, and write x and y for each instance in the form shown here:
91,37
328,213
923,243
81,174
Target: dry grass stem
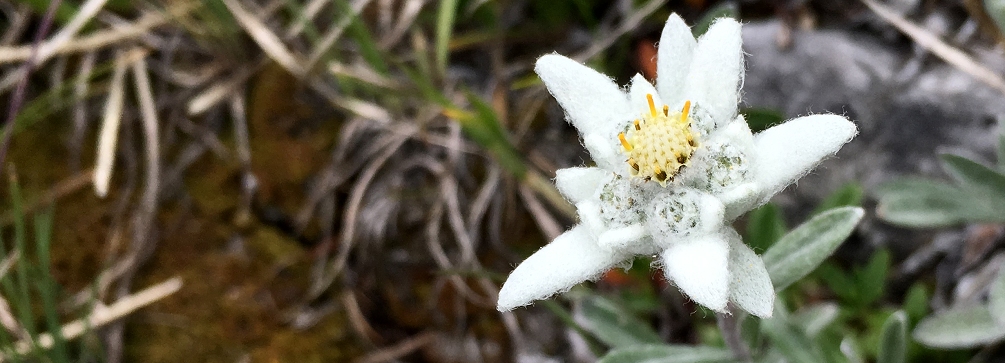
365,74
50,196
952,55
97,40
148,113
406,17
310,11
103,315
220,90
80,88
347,238
480,205
84,13
364,109
631,22
399,350
266,39
358,320
6,314
545,221
328,40
449,194
108,138
240,123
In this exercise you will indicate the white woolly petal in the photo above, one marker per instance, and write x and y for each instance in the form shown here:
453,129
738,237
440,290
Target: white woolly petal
786,152
580,183
673,60
736,133
749,285
699,267
717,69
604,148
638,90
592,100
571,258
590,217
739,200
623,239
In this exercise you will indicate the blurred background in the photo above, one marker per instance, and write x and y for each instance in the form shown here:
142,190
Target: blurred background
351,181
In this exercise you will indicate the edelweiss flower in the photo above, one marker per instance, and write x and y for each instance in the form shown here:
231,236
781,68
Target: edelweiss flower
675,165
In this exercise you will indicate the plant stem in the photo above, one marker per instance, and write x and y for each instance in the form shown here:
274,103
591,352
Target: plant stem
729,325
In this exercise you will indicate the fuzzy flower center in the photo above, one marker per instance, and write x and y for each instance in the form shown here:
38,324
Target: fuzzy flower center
659,144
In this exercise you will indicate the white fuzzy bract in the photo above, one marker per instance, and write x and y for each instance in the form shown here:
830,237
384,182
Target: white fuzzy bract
629,207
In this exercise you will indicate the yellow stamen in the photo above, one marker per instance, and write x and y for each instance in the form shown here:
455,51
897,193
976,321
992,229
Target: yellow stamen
624,142
658,145
652,106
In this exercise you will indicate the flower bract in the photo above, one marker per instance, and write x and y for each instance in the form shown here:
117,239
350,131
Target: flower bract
675,165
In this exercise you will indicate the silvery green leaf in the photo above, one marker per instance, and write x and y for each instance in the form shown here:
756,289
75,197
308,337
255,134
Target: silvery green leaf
659,353
976,178
851,350
802,250
1000,13
996,9
893,339
915,202
814,319
789,340
613,325
962,327
996,300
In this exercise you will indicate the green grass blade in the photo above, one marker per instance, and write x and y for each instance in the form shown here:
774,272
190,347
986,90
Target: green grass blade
658,353
47,288
364,40
446,15
19,294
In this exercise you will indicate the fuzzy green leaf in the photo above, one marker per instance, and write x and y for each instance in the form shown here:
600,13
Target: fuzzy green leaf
656,353
916,202
814,319
977,178
872,278
916,301
996,10
893,340
802,250
962,327
792,343
996,300
615,326
839,282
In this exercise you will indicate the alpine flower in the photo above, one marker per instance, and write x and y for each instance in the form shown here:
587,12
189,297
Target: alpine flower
676,164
